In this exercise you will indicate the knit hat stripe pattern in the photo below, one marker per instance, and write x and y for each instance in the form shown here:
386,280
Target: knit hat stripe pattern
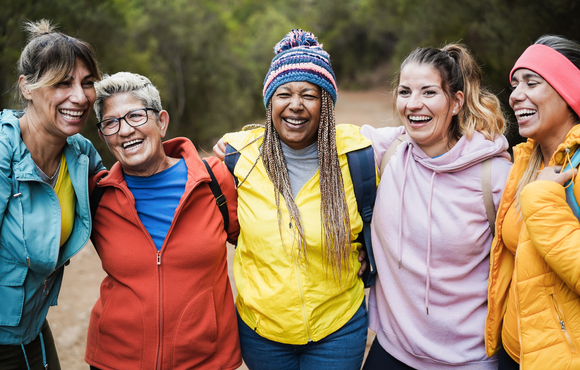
299,57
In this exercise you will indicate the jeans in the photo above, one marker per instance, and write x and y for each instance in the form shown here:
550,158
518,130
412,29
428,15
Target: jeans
342,350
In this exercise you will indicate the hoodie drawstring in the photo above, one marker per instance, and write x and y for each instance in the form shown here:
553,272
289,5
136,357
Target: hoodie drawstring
428,279
401,210
43,354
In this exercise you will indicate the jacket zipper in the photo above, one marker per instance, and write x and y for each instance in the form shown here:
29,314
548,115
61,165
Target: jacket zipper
515,290
302,304
562,324
158,367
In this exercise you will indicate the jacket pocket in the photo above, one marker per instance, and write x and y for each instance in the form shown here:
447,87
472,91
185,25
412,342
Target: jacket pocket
196,334
562,323
120,329
11,292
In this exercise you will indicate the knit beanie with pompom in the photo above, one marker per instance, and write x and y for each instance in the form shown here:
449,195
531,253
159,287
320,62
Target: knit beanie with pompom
299,57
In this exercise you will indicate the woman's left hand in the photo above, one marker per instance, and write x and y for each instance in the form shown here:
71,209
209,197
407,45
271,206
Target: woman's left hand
553,173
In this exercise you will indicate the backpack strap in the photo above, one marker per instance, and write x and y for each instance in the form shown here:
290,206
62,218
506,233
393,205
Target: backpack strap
361,164
231,159
570,198
390,151
220,198
488,194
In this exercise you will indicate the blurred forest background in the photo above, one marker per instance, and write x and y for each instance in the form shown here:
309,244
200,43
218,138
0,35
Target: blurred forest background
209,57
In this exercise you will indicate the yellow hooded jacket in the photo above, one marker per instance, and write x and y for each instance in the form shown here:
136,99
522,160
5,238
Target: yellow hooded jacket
279,299
547,268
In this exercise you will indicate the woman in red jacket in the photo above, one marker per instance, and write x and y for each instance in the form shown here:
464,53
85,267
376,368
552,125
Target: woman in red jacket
166,302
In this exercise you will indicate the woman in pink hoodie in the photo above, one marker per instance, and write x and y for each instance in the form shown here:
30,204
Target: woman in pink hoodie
431,231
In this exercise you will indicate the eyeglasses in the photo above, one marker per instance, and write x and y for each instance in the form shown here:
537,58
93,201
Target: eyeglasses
134,118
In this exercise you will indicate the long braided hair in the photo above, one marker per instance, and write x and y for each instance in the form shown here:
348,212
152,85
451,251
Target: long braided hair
334,213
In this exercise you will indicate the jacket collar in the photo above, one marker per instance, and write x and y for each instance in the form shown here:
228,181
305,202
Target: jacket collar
571,142
177,148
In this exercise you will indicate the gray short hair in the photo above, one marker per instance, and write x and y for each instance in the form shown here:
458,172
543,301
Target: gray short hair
125,82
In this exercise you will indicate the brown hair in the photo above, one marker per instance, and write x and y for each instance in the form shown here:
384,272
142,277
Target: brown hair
50,56
459,71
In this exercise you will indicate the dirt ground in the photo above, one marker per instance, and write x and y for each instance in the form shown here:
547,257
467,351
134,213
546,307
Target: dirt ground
69,320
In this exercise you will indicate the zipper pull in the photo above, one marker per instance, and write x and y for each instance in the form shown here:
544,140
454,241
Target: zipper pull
45,289
158,258
562,325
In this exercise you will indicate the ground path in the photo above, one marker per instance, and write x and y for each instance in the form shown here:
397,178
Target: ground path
69,320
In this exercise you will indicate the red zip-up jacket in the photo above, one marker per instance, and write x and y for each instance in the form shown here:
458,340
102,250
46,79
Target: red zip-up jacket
173,308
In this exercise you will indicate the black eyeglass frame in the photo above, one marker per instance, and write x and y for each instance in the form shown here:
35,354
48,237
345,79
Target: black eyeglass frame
126,120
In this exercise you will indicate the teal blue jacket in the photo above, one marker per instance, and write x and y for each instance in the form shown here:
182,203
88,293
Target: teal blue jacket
31,259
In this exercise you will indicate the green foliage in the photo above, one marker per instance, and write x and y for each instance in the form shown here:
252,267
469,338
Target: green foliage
209,57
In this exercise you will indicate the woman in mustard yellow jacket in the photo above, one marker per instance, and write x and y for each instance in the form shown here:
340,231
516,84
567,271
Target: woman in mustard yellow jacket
534,284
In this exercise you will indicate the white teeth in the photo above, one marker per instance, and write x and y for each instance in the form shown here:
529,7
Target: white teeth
128,143
294,121
419,118
71,112
521,112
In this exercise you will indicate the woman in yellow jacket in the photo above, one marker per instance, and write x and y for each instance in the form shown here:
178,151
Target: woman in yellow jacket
300,301
534,284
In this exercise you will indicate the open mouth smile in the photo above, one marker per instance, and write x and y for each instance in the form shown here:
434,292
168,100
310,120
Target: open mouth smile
295,122
522,114
133,144
71,114
419,120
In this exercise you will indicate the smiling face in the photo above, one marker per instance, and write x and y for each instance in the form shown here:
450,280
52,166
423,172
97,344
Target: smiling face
424,108
63,109
542,114
296,113
138,149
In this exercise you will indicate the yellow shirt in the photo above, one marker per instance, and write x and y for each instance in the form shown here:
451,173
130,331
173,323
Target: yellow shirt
66,196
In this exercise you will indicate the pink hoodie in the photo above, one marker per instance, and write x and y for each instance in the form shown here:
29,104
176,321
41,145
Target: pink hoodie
431,241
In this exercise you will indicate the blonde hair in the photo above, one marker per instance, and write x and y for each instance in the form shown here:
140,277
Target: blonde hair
459,71
50,56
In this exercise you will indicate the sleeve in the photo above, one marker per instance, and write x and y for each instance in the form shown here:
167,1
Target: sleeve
553,229
382,139
226,182
95,161
5,176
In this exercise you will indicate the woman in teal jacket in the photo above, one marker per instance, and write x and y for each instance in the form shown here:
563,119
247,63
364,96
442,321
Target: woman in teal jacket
44,168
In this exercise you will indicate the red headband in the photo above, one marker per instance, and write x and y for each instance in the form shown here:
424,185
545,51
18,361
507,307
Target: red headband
555,68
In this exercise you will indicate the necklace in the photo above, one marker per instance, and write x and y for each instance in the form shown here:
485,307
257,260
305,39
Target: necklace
49,180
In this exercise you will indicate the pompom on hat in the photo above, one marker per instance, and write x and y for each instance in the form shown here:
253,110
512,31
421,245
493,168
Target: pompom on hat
299,57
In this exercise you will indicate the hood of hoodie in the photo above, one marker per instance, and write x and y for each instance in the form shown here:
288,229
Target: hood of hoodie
464,154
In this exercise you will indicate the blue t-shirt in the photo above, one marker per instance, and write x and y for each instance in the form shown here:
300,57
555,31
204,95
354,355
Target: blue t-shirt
157,197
